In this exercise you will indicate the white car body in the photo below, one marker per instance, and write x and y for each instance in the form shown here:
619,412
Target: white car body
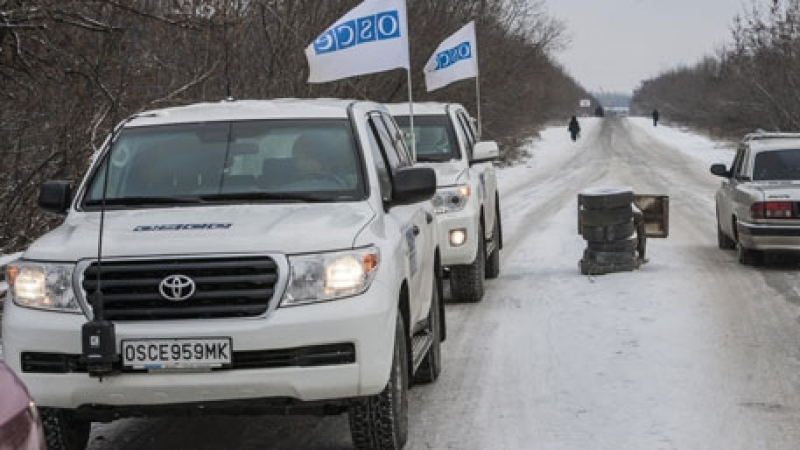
273,350
471,166
758,203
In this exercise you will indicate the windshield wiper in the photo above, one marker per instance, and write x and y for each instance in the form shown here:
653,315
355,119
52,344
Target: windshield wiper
282,196
126,201
422,158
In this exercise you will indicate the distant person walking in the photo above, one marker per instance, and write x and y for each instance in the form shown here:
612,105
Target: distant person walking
655,117
574,128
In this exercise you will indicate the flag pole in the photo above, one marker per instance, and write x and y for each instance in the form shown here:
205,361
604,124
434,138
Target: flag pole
477,83
478,100
411,117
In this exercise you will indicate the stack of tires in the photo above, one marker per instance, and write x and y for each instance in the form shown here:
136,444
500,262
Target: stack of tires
605,220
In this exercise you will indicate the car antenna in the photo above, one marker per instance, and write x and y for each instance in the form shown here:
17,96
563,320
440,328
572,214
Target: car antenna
98,336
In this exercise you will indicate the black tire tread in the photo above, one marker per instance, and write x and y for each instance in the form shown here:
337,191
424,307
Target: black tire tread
373,422
609,258
609,233
623,245
723,241
593,268
606,217
493,261
62,432
605,198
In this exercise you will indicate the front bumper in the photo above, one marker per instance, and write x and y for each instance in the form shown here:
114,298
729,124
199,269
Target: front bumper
769,237
365,321
467,220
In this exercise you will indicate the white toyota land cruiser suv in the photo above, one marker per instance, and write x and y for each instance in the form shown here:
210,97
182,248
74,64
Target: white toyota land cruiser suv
268,256
467,200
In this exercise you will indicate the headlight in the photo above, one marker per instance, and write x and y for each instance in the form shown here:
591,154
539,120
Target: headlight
42,286
328,276
451,199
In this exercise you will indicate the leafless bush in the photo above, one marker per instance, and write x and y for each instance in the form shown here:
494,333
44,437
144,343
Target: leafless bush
69,69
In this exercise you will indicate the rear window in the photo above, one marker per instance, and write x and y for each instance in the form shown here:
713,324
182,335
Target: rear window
776,165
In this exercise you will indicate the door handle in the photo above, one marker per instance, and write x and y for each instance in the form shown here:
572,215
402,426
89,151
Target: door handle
415,230
428,217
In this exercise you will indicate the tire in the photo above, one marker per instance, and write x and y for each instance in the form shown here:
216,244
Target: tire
594,268
493,261
605,198
380,422
466,282
499,223
606,258
64,432
608,234
748,257
624,245
606,217
723,241
431,365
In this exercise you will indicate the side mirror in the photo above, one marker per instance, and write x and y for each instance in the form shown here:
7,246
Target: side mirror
413,185
55,196
485,151
720,170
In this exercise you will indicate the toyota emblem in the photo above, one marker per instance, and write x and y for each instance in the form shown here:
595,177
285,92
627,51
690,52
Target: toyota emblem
177,288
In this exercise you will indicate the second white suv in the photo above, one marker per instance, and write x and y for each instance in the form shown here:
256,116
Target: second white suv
467,200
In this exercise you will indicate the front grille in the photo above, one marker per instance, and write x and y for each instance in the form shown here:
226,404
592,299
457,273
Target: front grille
313,356
224,287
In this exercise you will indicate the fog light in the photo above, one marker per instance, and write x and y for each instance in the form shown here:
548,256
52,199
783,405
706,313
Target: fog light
458,237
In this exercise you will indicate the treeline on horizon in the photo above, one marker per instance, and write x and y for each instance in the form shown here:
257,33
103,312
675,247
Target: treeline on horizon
753,83
69,69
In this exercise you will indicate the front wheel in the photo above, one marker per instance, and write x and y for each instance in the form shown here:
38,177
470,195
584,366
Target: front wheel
493,262
62,431
380,422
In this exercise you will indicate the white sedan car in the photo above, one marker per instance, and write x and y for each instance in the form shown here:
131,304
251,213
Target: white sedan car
758,204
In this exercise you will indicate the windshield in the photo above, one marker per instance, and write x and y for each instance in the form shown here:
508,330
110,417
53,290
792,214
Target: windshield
434,138
777,165
299,160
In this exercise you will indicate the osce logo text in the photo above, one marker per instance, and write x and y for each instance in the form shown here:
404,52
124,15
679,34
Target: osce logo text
447,58
376,27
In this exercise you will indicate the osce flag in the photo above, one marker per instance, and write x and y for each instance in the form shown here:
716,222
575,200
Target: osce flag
372,37
455,59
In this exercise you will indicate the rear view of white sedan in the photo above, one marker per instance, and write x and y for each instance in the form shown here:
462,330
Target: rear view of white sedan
758,204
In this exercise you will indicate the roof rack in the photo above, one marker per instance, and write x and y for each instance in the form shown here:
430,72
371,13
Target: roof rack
761,134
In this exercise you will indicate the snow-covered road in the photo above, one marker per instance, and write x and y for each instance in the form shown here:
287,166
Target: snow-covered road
692,351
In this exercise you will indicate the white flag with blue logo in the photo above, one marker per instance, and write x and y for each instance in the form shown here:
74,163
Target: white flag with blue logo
454,59
372,37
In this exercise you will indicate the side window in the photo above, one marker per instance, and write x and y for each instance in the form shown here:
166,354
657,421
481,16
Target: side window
387,142
399,143
463,136
736,166
466,122
381,165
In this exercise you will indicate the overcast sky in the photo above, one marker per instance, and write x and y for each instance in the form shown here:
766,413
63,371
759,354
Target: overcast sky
616,44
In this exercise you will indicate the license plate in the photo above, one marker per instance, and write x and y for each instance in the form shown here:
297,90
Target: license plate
183,353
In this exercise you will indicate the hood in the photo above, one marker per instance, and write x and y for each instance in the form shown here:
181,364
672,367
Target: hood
255,228
448,173
778,190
